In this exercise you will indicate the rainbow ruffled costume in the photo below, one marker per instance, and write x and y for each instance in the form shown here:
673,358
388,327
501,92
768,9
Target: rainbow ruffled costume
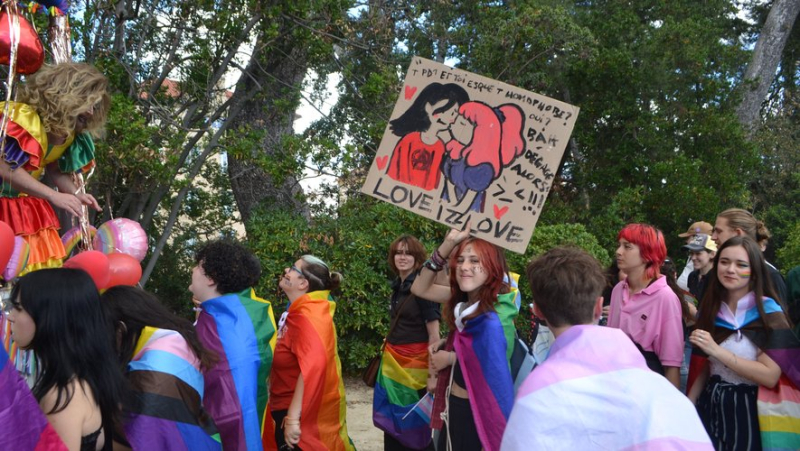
26,148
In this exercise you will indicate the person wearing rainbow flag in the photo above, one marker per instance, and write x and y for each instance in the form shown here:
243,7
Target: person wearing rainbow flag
240,328
307,399
400,406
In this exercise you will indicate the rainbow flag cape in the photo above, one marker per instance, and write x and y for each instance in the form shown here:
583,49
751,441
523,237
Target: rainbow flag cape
481,351
167,413
240,328
309,325
400,385
24,425
779,407
595,391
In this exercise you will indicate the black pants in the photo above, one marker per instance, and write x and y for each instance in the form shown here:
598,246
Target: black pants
460,427
728,411
278,416
391,444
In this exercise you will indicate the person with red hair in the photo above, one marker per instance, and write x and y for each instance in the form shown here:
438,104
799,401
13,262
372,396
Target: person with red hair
475,390
485,140
643,305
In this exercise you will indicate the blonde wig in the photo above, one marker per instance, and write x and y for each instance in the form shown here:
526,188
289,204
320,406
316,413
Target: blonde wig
60,93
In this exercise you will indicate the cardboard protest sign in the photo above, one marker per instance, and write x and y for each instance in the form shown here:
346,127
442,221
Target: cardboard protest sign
461,147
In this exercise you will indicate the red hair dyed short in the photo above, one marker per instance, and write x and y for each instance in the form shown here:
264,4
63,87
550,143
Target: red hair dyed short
652,246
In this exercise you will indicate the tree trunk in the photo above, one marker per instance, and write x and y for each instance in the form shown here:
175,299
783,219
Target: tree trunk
761,71
279,69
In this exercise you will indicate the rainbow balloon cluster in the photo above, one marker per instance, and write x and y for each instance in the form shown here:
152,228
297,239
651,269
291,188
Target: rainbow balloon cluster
121,235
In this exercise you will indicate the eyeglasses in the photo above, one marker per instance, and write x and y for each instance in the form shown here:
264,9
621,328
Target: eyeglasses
295,269
9,305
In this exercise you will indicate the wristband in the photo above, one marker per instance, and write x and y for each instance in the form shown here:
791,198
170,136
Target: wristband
431,265
437,258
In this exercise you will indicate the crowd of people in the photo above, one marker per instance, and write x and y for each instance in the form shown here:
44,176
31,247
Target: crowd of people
642,359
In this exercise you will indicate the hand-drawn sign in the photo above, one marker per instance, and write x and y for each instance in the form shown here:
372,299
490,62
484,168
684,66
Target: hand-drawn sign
461,147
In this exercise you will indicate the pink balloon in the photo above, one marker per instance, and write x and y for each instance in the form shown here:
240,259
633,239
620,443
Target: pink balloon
19,258
6,243
122,235
95,263
123,270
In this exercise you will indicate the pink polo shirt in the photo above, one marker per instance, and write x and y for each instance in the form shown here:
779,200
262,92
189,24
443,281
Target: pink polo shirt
651,318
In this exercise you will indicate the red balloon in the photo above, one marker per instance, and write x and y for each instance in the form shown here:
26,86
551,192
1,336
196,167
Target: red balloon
123,270
30,52
95,263
6,243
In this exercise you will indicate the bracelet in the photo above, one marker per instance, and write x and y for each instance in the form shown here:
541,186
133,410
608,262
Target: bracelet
431,265
437,258
287,421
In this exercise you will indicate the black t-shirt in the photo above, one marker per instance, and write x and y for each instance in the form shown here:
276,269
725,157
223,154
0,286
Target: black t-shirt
697,284
415,314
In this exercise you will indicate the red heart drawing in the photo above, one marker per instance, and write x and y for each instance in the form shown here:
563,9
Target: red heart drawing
382,162
499,212
410,91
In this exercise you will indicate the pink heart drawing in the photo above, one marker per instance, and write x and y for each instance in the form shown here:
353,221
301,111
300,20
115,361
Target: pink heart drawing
410,91
382,162
499,212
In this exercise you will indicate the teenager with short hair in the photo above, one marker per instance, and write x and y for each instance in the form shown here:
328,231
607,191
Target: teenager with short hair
238,327
595,387
643,305
702,250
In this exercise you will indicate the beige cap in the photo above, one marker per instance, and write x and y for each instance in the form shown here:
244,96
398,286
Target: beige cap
698,227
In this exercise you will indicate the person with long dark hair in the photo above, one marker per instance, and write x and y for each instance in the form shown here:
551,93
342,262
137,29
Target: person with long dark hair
475,390
417,158
743,332
306,396
401,382
163,361
57,314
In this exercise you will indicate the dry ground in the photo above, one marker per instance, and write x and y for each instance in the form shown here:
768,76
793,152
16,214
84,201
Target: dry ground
359,416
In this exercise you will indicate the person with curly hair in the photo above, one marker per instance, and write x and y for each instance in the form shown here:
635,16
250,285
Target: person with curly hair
50,129
240,328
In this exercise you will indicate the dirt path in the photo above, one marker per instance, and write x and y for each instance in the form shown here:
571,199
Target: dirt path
359,416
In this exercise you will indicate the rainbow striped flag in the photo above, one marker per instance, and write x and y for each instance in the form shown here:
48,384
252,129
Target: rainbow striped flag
400,385
24,425
595,391
165,377
240,328
481,351
309,327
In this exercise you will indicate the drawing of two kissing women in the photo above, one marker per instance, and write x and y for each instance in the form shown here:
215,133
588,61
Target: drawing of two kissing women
469,142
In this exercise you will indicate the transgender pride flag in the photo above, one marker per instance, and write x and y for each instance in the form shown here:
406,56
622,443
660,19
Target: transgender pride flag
595,391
